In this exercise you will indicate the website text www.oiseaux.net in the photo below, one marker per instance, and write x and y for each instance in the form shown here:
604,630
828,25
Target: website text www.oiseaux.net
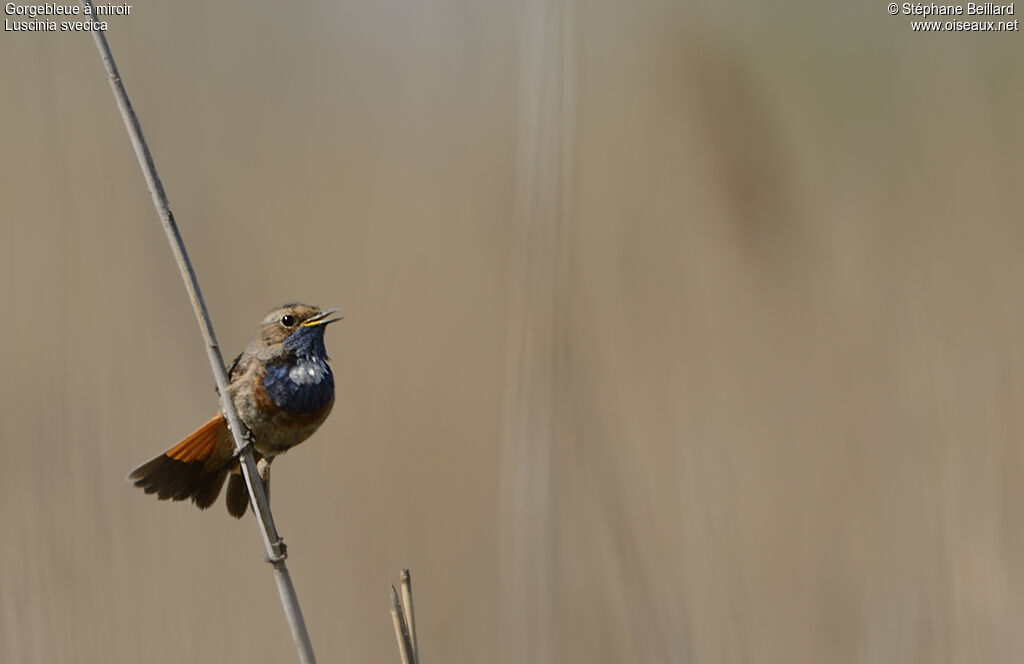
969,17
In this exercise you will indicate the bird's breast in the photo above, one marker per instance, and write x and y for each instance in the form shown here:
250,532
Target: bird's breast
300,387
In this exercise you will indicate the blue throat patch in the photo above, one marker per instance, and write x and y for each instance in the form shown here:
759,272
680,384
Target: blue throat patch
304,382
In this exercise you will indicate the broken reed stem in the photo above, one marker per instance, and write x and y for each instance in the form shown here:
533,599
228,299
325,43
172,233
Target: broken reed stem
409,611
404,618
276,551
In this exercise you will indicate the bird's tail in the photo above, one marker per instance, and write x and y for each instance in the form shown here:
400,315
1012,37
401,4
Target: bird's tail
238,493
194,468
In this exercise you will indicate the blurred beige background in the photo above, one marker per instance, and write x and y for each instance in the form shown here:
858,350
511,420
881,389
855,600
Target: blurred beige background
673,334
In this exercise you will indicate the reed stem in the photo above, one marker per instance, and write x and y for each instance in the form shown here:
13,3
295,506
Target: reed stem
276,551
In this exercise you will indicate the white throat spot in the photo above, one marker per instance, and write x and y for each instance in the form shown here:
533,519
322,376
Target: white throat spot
307,372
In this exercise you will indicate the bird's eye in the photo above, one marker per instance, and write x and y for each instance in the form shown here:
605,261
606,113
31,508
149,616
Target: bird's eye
287,320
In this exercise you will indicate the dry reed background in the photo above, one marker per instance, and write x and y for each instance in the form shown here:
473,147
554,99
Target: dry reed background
785,334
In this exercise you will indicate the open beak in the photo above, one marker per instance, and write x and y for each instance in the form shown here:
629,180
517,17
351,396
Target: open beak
322,318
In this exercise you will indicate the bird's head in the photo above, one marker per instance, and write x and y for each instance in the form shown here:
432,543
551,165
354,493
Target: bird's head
296,328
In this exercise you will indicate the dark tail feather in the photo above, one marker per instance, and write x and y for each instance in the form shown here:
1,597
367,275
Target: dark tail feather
209,488
166,477
238,494
194,468
179,480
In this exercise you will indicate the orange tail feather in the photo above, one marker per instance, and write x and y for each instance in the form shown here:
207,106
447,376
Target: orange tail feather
194,468
201,443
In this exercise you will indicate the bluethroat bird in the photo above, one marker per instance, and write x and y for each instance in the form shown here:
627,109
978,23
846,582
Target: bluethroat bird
282,388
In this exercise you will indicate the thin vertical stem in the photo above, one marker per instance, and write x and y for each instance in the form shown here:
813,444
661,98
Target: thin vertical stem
405,621
276,551
410,612
401,629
